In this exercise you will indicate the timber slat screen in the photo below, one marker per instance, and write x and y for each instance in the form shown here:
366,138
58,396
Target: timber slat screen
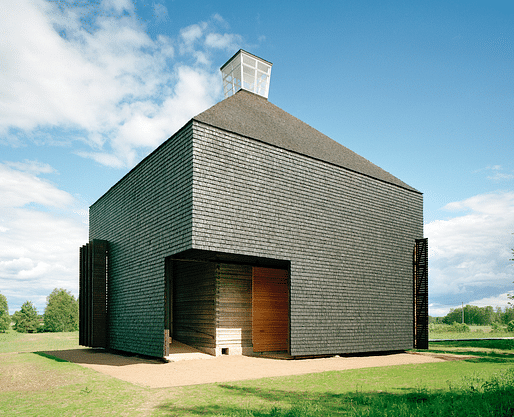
194,291
93,294
421,294
234,306
270,310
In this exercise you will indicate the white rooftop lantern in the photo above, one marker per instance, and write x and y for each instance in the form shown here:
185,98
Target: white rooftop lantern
248,72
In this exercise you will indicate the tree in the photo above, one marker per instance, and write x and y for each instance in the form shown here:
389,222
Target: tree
5,319
454,316
61,312
26,320
510,295
508,315
480,316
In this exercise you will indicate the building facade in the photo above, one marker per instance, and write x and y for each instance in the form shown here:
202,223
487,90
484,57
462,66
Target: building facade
250,231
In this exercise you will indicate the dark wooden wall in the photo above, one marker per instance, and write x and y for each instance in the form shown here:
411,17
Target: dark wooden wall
194,294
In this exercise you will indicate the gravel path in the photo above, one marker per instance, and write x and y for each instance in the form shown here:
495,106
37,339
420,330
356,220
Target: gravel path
190,367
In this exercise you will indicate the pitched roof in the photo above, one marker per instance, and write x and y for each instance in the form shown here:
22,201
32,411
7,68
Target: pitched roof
255,117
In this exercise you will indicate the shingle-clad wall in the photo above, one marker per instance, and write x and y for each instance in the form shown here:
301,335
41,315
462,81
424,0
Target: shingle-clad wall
145,217
349,238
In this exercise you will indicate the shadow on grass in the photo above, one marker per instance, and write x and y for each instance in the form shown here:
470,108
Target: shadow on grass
477,400
91,356
47,356
492,351
502,344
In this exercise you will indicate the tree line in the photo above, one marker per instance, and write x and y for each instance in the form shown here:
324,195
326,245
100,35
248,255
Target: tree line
61,314
479,316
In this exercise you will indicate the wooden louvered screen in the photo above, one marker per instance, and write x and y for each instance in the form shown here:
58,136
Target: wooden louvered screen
421,294
194,292
93,294
270,310
234,306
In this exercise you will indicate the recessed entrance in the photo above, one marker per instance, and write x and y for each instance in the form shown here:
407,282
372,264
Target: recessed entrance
227,308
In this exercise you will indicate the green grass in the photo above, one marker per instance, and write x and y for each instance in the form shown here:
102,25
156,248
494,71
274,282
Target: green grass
442,331
469,335
33,384
12,341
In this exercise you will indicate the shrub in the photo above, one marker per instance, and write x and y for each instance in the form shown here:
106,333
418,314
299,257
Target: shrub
460,327
510,326
439,328
496,327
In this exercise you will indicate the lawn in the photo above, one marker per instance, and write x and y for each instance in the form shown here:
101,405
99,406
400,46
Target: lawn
442,331
33,384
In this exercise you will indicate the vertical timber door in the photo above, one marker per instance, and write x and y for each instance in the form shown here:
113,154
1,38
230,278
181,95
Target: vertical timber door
270,309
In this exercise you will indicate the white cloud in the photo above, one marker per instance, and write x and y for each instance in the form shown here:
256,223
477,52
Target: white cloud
192,34
119,5
225,41
89,76
34,167
38,246
497,174
95,71
469,254
19,188
500,300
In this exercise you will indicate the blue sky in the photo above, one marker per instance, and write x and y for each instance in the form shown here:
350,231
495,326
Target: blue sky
425,90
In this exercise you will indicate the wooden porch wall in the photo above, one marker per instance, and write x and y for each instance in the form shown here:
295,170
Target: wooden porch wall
194,292
234,307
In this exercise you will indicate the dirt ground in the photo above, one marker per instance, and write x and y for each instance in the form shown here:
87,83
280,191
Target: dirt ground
186,366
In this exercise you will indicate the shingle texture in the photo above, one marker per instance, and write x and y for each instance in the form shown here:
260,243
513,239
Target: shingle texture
246,178
145,217
349,238
253,116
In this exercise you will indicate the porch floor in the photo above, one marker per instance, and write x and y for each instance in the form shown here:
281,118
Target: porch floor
182,352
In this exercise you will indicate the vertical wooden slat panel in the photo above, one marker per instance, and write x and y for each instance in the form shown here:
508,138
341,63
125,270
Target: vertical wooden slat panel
270,309
82,295
194,303
93,294
421,294
234,307
99,294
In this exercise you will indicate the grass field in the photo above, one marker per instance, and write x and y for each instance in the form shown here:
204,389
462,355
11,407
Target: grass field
32,384
444,331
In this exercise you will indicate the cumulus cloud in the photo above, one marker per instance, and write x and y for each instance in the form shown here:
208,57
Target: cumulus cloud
469,254
40,233
95,71
87,75
19,188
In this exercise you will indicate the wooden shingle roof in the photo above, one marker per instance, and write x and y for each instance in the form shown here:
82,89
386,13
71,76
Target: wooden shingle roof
253,116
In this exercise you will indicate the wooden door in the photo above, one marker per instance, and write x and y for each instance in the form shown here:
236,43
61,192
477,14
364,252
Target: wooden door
270,310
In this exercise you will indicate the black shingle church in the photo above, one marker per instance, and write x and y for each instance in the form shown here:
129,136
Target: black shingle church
250,231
